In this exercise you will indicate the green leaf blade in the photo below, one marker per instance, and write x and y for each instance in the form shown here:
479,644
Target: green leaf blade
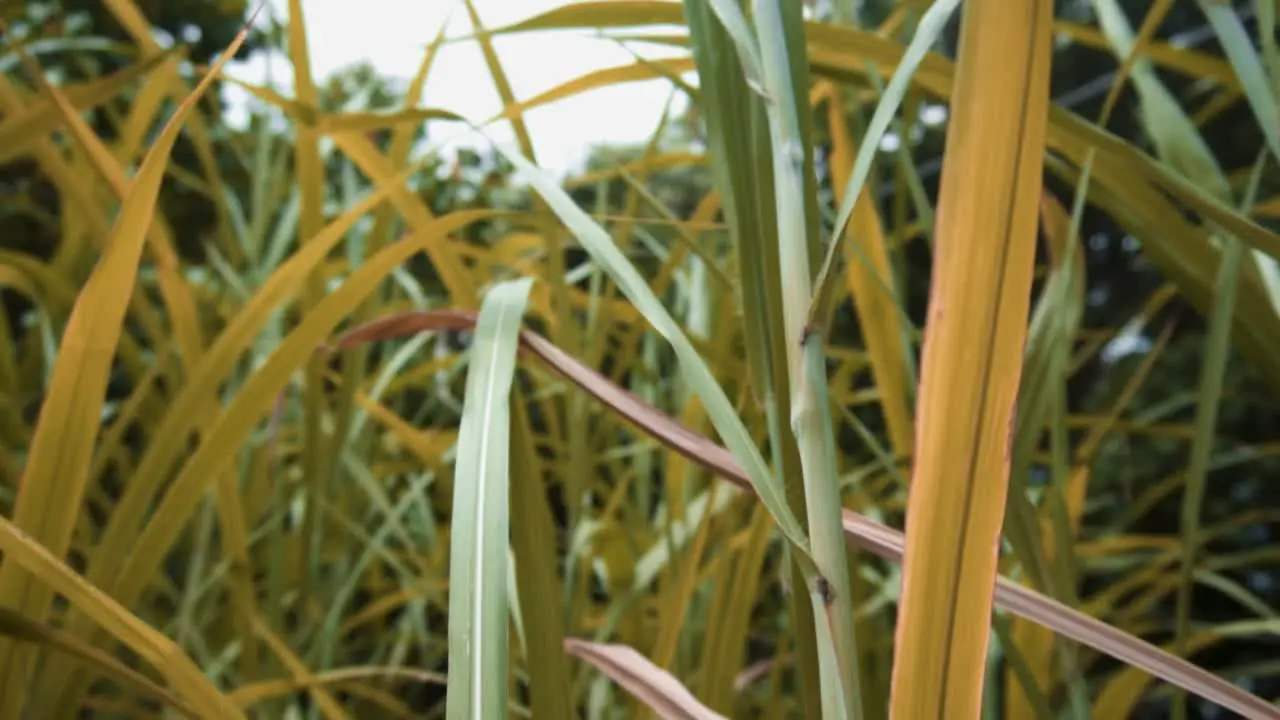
478,602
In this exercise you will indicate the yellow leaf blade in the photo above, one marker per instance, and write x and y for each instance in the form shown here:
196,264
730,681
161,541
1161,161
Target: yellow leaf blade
53,483
973,352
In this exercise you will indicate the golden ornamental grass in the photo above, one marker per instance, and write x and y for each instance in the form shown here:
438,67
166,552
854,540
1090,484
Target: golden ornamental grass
381,441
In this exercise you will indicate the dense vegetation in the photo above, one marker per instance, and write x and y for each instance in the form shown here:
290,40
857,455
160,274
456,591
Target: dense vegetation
210,506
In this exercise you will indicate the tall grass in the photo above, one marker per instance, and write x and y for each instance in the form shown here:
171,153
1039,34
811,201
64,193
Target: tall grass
379,460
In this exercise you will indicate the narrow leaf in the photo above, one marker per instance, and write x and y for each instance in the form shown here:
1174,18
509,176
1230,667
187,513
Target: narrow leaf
481,513
652,685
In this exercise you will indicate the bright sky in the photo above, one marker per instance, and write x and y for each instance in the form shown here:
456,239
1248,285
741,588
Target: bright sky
393,35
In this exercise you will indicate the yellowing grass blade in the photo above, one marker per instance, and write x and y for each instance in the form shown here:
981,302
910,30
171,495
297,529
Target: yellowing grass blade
57,470
253,401
602,15
187,409
134,22
309,174
973,352
479,533
144,553
1177,141
606,77
249,695
352,121
650,684
177,296
18,132
870,281
18,627
158,651
500,81
445,258
320,695
844,52
1175,135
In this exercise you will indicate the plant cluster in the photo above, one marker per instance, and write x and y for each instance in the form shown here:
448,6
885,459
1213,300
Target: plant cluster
893,377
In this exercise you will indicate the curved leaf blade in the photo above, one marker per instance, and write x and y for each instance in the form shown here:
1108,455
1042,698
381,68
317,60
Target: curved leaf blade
650,684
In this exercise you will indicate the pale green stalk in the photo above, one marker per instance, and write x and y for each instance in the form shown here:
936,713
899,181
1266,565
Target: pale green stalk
810,415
